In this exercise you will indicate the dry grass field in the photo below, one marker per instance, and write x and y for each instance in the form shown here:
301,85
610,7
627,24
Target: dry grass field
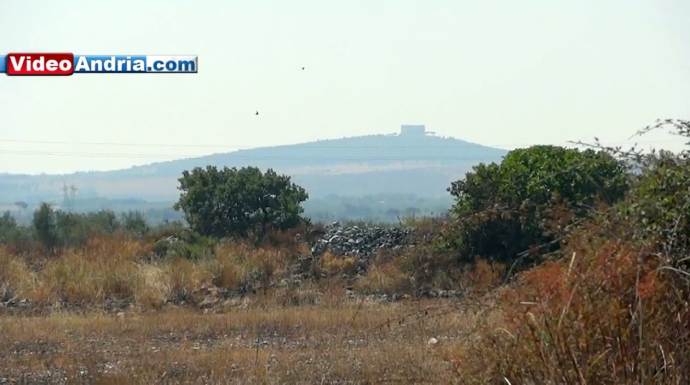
605,312
106,314
353,342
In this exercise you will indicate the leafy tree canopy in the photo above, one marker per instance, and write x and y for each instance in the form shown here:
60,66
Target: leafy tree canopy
659,200
239,202
504,209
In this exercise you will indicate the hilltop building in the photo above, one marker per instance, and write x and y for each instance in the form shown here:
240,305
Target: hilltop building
414,130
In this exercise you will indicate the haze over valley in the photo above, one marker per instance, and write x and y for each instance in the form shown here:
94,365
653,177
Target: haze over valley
373,177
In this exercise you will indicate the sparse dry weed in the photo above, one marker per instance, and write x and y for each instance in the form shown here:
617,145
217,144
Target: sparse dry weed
352,343
385,278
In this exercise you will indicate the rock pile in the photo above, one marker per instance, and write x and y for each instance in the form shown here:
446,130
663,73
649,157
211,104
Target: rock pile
361,242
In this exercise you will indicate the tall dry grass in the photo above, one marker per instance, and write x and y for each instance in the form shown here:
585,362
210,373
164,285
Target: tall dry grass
122,270
384,277
606,315
15,276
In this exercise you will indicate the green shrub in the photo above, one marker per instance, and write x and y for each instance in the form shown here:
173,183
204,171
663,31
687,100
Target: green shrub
74,229
659,203
502,210
17,238
239,202
44,224
185,244
71,229
133,222
8,227
657,209
57,228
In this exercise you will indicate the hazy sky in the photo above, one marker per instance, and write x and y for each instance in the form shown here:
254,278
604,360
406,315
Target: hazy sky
503,72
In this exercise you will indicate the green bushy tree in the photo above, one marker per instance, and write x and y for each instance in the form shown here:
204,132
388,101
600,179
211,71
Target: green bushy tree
8,227
660,202
71,228
502,210
134,222
103,221
658,206
239,202
57,228
74,229
44,223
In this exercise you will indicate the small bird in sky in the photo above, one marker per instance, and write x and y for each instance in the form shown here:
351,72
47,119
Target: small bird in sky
303,68
257,113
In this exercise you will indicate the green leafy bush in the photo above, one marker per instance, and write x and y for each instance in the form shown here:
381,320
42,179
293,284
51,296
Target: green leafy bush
185,244
659,202
44,224
239,202
9,230
134,222
74,229
57,228
503,210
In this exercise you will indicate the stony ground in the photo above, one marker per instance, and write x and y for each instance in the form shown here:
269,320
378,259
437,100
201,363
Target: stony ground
341,343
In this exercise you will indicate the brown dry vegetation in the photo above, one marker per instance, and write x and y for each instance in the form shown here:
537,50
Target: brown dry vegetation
258,341
609,314
117,269
109,313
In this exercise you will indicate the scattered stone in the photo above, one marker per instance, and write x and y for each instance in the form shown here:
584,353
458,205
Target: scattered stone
433,293
208,302
361,242
207,296
236,302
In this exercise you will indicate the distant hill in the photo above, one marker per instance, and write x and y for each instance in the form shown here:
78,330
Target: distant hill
413,163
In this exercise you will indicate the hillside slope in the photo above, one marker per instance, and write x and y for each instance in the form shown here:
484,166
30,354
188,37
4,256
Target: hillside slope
422,165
